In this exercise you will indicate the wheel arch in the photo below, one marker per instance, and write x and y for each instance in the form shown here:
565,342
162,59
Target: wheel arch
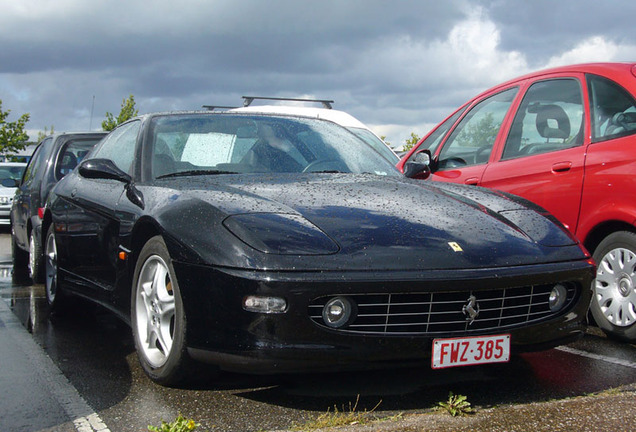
599,232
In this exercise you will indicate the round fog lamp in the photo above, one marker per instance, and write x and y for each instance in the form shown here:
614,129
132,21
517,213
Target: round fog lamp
557,298
337,312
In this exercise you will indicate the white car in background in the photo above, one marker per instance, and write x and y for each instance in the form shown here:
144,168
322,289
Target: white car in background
326,112
10,175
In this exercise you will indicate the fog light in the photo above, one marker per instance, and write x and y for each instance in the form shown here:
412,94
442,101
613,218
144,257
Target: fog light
558,295
338,312
262,304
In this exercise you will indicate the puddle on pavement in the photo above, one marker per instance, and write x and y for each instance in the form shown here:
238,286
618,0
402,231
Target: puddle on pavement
27,301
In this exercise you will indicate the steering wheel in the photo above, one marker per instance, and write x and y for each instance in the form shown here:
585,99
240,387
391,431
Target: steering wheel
327,163
481,150
452,162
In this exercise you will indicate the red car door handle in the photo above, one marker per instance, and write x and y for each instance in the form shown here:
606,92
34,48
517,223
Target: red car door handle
473,181
561,166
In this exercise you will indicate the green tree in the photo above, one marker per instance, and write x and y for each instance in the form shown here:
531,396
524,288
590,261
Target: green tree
13,137
410,142
479,134
127,112
42,135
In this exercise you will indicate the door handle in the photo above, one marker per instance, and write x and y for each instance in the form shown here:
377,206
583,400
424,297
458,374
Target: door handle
561,166
472,181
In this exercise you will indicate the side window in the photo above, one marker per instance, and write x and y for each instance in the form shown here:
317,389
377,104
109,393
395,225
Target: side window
550,118
613,109
474,137
433,140
72,154
119,146
36,161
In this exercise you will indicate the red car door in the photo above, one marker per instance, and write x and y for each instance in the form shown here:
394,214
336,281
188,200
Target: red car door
543,157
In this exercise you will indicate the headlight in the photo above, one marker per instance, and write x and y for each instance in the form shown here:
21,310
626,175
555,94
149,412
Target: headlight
264,304
283,234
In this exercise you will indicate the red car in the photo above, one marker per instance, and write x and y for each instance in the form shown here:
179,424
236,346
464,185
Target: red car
564,138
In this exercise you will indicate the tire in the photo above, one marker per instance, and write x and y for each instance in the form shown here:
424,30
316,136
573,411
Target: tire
158,317
613,303
54,295
36,258
20,258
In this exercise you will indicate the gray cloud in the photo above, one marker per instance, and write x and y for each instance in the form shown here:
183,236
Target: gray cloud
398,66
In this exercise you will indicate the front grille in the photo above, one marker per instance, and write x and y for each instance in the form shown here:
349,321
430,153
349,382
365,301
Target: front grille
442,312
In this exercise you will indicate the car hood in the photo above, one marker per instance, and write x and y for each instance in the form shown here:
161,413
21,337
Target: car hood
357,222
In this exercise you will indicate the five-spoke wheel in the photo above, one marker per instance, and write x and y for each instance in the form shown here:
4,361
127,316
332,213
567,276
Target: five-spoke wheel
158,316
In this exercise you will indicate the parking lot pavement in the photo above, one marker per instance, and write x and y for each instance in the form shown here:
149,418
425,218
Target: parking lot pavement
35,395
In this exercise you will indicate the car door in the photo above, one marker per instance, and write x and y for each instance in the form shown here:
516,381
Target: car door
543,156
93,222
463,157
27,198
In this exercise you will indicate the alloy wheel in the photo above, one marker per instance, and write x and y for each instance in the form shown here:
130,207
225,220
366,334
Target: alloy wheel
155,311
50,268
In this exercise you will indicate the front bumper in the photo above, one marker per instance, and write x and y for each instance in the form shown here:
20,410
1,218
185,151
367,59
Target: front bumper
221,332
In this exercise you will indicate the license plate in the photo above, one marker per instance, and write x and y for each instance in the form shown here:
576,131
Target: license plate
470,351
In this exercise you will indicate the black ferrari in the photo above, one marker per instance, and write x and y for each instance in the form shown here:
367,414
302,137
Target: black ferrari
272,243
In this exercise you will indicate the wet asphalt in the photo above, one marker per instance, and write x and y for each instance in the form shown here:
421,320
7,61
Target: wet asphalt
79,373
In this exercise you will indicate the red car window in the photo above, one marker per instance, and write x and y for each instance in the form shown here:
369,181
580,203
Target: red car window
550,118
613,109
474,137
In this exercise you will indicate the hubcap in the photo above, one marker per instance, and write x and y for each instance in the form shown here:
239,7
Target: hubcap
615,291
51,268
32,257
155,311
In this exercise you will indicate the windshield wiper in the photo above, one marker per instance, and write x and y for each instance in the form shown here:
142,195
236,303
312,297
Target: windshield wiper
326,172
196,173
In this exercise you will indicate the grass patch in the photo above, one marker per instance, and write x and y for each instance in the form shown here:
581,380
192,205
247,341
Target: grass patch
342,417
180,424
457,405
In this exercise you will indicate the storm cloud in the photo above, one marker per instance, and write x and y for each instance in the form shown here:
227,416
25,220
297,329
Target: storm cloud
398,66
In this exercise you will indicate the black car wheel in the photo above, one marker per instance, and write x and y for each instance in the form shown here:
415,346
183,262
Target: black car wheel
157,316
53,292
35,258
614,302
20,257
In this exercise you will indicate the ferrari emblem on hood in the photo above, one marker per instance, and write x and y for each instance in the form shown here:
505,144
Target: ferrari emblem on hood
455,247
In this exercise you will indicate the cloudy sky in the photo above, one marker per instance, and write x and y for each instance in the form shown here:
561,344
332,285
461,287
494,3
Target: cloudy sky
399,66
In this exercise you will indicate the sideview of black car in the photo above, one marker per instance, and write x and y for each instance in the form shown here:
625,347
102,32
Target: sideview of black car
272,243
53,158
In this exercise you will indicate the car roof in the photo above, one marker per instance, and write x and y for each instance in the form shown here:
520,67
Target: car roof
340,117
595,68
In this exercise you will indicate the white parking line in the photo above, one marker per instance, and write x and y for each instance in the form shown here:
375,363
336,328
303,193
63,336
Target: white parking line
75,407
606,359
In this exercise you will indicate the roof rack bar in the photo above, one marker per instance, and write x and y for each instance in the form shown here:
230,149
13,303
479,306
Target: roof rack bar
247,100
213,107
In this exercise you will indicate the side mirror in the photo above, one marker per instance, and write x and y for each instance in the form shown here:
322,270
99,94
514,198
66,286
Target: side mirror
107,170
103,169
419,167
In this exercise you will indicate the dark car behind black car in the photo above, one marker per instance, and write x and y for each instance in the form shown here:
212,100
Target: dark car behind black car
53,158
321,257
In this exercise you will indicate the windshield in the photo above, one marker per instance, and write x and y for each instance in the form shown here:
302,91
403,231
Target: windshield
11,171
206,143
376,143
